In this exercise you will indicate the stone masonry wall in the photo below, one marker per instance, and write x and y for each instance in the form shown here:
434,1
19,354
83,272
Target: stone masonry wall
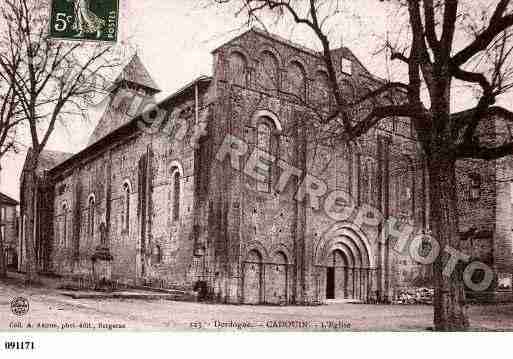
110,170
275,222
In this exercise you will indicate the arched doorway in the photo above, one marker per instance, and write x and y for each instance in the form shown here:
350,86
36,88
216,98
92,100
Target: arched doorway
336,276
345,264
252,290
276,283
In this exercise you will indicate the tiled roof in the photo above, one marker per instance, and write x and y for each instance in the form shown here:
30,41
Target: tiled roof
137,73
99,142
5,199
492,111
49,159
112,119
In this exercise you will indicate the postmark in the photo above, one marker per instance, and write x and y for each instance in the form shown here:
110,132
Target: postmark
88,20
20,306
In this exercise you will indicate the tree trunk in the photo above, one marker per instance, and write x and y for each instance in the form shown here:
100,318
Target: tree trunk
31,275
450,311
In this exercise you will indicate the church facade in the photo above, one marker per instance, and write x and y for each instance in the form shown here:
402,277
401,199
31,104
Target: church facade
176,195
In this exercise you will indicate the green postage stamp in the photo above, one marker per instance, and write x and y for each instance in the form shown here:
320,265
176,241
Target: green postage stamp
95,20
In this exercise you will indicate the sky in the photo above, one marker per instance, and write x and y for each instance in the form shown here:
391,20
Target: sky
174,39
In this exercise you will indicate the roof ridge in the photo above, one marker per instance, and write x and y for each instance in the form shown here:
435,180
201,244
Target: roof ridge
312,52
134,118
57,152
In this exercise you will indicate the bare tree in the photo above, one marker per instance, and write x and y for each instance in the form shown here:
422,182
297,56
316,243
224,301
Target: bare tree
52,81
10,118
448,43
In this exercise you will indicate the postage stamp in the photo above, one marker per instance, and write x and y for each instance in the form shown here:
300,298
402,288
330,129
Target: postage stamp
85,20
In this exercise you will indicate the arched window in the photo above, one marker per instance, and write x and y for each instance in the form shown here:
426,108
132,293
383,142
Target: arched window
176,195
157,255
103,234
264,130
349,168
358,178
90,216
64,224
280,258
475,186
237,69
366,182
126,207
268,73
407,184
296,81
322,94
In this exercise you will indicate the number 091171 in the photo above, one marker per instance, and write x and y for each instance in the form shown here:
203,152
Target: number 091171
20,345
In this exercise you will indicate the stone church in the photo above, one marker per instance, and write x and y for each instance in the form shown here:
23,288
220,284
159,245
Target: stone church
158,200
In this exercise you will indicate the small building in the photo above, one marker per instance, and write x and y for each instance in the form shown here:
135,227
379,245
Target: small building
9,230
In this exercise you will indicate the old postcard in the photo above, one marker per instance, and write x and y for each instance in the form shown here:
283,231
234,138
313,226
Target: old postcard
255,166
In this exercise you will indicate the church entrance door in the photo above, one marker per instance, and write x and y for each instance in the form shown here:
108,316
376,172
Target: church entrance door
330,283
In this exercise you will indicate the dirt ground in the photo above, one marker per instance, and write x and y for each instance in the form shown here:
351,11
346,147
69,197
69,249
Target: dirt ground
50,310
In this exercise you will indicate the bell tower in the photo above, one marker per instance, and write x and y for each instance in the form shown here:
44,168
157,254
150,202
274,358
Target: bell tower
132,88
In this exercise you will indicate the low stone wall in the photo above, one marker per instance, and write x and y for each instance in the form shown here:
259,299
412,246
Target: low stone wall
490,297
